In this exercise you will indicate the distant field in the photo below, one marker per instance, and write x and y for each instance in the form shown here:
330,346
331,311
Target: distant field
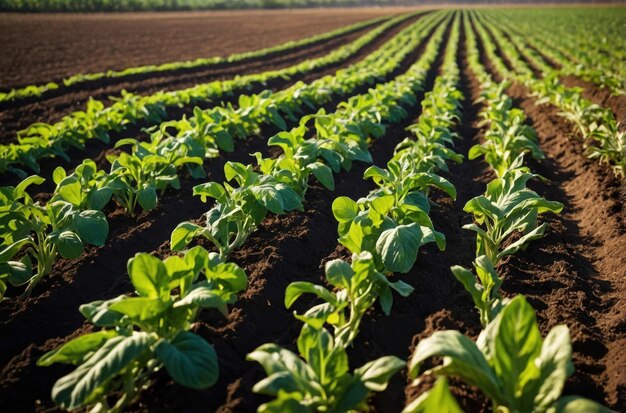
37,48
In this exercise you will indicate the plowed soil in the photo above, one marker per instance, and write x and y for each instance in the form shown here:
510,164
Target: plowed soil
40,47
572,276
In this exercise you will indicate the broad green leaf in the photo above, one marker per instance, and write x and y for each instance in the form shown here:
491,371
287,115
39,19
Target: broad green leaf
189,360
577,404
71,190
461,357
75,389
344,209
69,245
92,227
339,273
398,247
376,374
147,198
436,400
323,174
183,234
555,366
149,275
76,350
297,288
516,345
140,308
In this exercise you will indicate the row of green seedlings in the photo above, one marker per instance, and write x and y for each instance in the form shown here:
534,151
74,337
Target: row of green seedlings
149,332
510,363
73,217
594,123
41,140
587,63
31,91
384,232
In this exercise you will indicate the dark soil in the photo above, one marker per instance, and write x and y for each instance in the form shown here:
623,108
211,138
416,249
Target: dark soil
40,47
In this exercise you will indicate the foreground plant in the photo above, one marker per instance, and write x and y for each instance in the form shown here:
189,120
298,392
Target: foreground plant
392,222
39,234
506,208
510,363
237,211
319,379
151,167
143,334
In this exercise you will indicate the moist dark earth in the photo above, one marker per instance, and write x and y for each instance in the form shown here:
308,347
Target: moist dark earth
573,276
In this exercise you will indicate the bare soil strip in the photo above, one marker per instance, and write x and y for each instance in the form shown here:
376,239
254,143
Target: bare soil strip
43,46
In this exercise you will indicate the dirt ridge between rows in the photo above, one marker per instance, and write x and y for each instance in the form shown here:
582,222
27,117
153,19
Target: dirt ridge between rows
574,275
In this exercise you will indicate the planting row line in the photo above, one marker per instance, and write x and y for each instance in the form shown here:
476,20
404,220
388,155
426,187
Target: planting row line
510,362
577,54
42,140
146,333
32,91
597,126
73,215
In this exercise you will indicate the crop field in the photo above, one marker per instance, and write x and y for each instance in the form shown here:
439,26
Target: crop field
414,210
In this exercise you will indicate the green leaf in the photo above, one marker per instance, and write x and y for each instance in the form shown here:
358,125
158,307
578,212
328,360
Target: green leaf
75,389
71,190
555,366
323,174
297,288
398,247
438,399
516,345
189,360
147,198
376,374
577,404
461,357
149,275
210,189
76,350
183,234
92,227
69,245
344,209
140,308
204,297
339,273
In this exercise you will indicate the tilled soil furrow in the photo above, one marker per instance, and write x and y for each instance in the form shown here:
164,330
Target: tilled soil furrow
574,275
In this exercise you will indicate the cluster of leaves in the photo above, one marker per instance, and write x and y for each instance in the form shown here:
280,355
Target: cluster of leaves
592,121
33,235
281,183
590,51
143,334
319,378
509,362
